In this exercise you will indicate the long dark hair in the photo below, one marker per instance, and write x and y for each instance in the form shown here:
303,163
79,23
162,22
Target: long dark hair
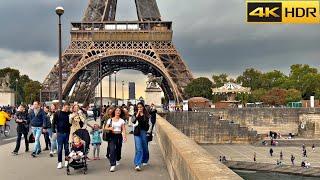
145,112
113,114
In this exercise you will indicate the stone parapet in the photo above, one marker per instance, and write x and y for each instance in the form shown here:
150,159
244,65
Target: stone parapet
185,159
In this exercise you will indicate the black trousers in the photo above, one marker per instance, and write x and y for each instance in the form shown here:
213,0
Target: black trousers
47,140
115,146
25,135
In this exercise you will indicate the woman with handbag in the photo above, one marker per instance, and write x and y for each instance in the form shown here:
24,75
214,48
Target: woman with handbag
23,122
142,129
116,126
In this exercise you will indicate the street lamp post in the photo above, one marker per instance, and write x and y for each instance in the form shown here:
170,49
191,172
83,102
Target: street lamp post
115,88
59,12
122,93
40,96
16,98
100,75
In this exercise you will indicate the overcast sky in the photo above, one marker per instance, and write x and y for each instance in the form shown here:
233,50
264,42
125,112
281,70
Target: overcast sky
211,36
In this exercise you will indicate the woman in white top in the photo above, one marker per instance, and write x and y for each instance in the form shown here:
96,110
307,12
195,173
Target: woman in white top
117,126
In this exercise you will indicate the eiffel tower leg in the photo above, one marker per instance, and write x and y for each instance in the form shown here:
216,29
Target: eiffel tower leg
49,90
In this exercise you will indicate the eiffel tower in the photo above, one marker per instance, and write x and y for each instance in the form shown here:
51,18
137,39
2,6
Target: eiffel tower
101,45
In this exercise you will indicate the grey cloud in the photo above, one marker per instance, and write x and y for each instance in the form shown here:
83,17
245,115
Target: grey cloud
212,32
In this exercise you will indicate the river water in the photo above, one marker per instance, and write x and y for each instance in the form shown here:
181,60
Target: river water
255,175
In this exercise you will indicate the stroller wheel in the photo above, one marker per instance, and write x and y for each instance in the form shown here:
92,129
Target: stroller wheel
68,172
85,172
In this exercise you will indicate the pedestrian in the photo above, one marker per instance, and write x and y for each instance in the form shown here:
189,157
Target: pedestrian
76,119
117,126
52,136
271,151
143,126
254,157
21,118
106,117
303,147
38,121
96,140
131,113
95,113
61,126
307,164
292,159
224,159
220,158
305,153
47,128
281,155
4,117
153,115
313,148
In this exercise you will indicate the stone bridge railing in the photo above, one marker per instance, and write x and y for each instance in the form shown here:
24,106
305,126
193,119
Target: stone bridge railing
185,159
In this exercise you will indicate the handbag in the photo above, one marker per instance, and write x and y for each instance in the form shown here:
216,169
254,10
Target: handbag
149,137
31,138
106,135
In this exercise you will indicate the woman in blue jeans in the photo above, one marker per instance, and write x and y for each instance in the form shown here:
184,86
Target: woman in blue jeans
53,138
143,126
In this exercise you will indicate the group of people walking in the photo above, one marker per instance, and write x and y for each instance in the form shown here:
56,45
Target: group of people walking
59,127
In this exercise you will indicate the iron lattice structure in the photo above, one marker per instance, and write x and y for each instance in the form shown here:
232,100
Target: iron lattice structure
144,45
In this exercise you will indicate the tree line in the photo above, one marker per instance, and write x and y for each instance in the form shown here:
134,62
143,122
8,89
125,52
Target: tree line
274,87
27,89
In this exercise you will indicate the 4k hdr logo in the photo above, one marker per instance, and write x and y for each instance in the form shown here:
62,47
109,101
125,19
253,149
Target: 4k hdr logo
283,12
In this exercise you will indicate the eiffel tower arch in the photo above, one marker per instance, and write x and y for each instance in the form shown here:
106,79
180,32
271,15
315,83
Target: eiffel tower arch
100,45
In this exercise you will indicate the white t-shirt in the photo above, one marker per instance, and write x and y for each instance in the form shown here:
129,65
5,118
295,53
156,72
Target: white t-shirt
116,125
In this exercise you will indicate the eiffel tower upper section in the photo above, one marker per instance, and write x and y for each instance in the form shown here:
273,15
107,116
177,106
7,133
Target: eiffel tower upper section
105,10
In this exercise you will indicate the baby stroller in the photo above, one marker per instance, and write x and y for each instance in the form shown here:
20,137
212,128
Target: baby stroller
78,155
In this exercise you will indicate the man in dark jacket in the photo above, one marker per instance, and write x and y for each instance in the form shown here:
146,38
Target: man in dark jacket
38,120
153,115
22,120
61,126
47,129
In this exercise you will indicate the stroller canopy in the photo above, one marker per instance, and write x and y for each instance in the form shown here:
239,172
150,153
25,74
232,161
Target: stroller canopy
84,135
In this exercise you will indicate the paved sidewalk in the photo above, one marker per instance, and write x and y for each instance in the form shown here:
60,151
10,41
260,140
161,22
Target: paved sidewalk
24,167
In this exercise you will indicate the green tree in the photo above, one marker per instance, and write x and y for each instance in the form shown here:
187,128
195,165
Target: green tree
256,95
200,87
272,79
302,78
310,83
293,95
317,94
251,78
275,96
32,91
219,80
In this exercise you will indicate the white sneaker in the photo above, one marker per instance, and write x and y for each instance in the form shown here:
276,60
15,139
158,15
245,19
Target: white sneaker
145,164
59,165
118,163
113,168
66,163
55,152
138,168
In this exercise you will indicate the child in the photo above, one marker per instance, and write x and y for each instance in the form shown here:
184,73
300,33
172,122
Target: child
96,141
77,148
